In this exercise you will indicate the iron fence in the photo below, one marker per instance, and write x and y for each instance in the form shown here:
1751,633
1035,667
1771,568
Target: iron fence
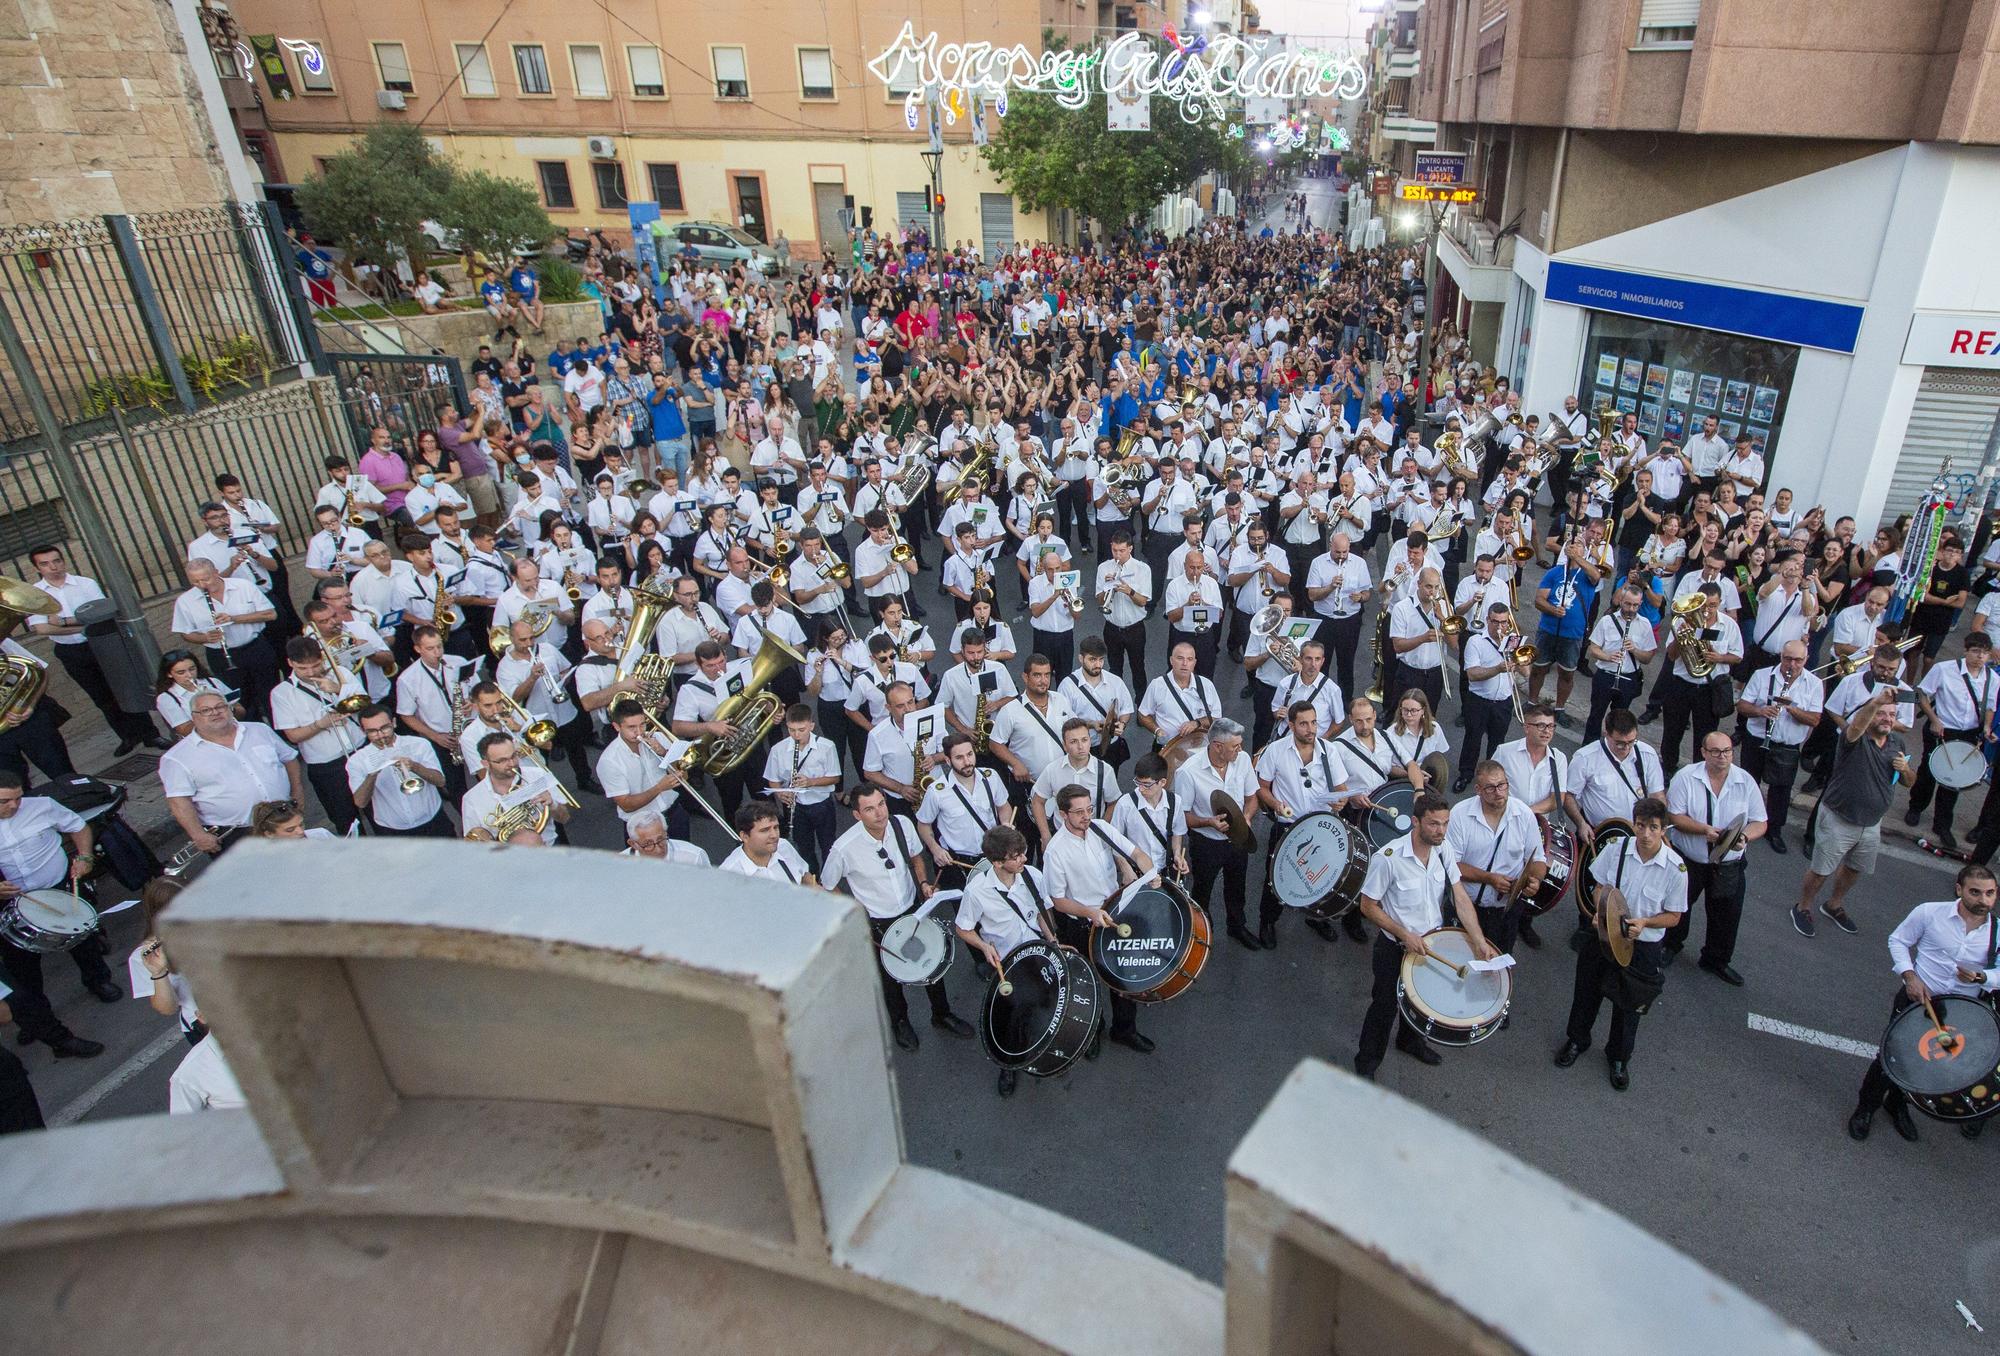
149,478
403,392
158,313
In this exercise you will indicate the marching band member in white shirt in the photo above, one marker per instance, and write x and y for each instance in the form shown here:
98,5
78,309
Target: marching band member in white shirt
637,773
1076,765
1702,801
880,863
1087,862
335,551
1500,852
962,685
609,514
1608,777
893,759
1180,703
646,836
397,781
1123,589
1222,766
762,851
307,710
801,774
687,625
508,781
1313,685
1780,706
535,675
1193,607
1004,907
534,597
1298,775
957,812
223,770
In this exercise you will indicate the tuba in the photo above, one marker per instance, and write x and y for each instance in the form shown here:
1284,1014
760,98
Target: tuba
917,474
637,658
1687,634
22,680
752,711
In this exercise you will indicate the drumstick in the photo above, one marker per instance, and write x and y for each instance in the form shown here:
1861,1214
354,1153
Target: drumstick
1945,1038
1458,970
1006,989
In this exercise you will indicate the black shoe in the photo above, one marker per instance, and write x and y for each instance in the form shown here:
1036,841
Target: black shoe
1568,1055
105,990
1363,1069
1008,1078
1459,783
125,746
954,1025
1722,971
1858,1123
1842,921
1649,715
1972,1129
1777,842
1096,1046
1911,817
1133,1041
1670,953
1621,1074
160,742
1581,937
1421,1052
1241,934
1899,1116
1323,928
1351,924
1803,924
1814,785
23,1038
1267,936
1246,693
906,1035
1943,841
69,1045
1528,934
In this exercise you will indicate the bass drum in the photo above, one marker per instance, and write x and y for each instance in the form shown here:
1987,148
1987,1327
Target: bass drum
1319,866
916,950
1165,951
1960,1082
1559,846
1389,818
1046,1022
1608,835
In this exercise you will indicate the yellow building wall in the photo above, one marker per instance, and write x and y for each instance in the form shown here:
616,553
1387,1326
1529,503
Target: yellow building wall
872,171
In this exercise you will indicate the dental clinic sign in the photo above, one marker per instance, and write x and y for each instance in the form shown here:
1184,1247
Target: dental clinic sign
1204,77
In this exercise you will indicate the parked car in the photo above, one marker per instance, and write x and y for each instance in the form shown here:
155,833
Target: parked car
715,241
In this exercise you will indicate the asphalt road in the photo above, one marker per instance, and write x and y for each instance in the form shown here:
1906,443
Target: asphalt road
1730,1142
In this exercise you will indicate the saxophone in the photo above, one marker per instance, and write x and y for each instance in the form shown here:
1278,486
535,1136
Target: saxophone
982,726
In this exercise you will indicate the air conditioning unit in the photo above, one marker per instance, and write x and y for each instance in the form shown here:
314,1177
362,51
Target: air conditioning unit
601,148
389,98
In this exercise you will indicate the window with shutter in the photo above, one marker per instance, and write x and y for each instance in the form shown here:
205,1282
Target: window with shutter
1668,23
475,71
732,73
815,73
392,63
587,65
649,76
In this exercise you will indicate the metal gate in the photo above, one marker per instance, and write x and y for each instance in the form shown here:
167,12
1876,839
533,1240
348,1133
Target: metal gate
913,212
996,224
1952,417
404,392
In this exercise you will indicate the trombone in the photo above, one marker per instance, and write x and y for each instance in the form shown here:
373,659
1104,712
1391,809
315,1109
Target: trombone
685,765
540,736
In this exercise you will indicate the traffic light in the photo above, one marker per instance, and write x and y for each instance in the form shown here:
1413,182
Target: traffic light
937,202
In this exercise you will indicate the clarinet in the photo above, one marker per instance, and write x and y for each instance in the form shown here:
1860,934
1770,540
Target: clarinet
791,806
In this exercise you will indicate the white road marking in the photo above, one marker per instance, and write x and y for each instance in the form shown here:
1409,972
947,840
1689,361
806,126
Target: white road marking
119,1077
1811,1037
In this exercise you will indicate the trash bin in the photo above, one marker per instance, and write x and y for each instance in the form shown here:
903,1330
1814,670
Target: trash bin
126,660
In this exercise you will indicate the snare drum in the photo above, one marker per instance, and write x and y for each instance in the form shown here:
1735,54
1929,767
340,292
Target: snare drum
46,921
1389,818
1559,846
1608,835
1442,1007
1046,1022
1957,764
1961,1083
917,950
1165,951
1319,865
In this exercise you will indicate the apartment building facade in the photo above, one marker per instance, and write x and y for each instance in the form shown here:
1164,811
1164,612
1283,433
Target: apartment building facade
768,119
1757,211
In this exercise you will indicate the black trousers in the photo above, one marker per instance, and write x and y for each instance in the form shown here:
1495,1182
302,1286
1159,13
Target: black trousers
1683,704
1206,642
1058,646
1239,631
1385,964
1502,925
438,826
1430,682
812,832
1721,887
36,740
576,739
1926,790
1486,721
251,669
1209,858
1125,653
1263,720
1607,693
329,784
1778,768
1593,962
1073,931
81,665
893,996
1876,1089
1343,637
1068,499
1299,559
1269,906
30,1001
18,1108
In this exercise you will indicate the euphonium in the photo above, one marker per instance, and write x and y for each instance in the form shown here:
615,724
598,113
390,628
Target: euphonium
637,658
1687,634
22,681
752,711
1282,649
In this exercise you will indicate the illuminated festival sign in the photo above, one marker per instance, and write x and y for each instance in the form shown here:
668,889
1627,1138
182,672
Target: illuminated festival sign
1203,79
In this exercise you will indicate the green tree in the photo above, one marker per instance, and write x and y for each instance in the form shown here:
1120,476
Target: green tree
494,215
373,199
1049,156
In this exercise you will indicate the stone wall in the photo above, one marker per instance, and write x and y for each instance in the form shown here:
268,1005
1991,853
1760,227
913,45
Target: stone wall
100,112
460,333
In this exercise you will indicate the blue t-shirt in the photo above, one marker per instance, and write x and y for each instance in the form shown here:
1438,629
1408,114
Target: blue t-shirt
1646,610
491,292
522,280
316,264
667,421
1571,590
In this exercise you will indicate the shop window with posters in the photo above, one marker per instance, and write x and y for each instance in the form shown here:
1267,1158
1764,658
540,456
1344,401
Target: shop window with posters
1673,377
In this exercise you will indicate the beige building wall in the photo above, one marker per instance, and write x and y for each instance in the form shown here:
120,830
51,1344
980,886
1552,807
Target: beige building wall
99,113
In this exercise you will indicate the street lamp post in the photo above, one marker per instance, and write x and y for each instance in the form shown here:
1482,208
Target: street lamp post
934,160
